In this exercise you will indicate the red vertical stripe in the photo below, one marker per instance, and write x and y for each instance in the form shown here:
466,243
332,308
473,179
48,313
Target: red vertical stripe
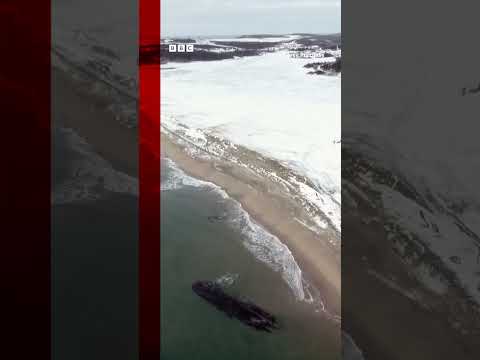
25,179
149,282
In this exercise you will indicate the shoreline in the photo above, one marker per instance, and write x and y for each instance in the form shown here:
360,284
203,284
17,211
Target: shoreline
265,202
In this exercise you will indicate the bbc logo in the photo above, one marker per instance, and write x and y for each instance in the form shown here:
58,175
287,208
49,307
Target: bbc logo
180,48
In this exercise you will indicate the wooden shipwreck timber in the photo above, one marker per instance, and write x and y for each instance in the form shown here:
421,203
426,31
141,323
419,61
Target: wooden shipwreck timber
248,313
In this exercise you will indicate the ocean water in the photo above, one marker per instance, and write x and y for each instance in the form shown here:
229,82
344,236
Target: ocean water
195,247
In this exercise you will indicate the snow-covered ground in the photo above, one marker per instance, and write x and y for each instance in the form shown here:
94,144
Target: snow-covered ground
266,103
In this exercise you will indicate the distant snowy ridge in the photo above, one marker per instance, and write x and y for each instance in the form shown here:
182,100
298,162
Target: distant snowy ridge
323,48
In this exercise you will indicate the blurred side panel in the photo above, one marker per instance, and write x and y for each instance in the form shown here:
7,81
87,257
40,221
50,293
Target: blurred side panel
410,204
94,179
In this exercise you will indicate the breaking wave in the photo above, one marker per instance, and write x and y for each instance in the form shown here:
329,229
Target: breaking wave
263,245
269,249
177,179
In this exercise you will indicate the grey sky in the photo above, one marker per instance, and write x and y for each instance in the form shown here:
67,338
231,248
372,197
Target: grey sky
234,17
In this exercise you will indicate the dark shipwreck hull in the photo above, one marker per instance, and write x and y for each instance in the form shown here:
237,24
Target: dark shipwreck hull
248,313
